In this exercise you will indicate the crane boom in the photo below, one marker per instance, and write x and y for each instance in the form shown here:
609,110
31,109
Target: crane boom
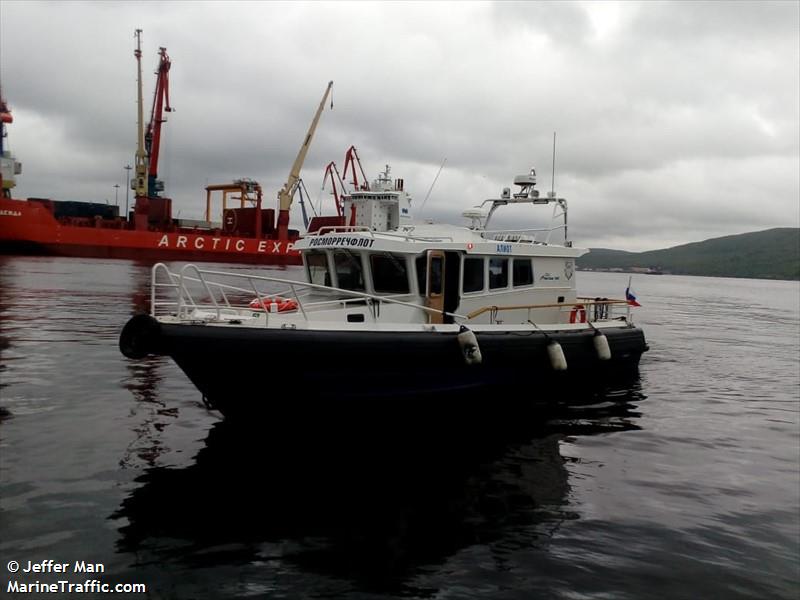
287,192
139,182
351,159
332,172
152,138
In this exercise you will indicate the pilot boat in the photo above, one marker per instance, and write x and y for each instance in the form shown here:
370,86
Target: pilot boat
390,308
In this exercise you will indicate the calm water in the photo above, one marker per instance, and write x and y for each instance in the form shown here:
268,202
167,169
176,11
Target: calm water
684,484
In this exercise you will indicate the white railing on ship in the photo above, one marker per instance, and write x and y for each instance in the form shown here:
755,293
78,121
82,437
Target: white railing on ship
584,308
502,235
185,302
408,236
601,310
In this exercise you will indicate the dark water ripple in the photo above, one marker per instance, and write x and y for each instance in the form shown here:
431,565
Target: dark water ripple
682,484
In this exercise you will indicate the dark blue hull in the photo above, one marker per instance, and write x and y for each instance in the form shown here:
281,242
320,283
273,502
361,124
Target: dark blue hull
242,370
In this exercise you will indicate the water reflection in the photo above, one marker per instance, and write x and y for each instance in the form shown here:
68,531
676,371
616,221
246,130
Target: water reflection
140,276
5,340
5,344
144,379
369,505
149,413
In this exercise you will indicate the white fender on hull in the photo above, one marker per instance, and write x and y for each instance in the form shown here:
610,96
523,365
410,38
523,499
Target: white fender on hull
601,346
469,346
556,355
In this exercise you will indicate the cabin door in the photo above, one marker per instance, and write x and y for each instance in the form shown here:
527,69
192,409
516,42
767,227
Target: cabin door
435,286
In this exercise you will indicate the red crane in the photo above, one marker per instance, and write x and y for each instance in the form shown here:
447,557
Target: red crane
332,172
152,137
350,161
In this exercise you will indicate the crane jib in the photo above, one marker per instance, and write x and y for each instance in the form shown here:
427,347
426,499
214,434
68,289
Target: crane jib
285,195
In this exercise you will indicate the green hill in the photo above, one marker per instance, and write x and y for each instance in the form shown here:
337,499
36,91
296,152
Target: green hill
770,254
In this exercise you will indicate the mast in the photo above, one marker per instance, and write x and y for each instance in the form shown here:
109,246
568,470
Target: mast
9,167
5,117
139,183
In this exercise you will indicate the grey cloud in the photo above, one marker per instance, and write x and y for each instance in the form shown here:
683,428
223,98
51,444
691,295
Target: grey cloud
702,96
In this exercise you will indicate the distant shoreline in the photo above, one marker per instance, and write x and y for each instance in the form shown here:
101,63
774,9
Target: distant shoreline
632,270
773,254
625,272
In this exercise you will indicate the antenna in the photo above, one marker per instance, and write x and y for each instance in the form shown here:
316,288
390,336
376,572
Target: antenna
421,208
553,176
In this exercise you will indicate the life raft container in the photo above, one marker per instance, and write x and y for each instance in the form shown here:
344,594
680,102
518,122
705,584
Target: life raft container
578,314
273,304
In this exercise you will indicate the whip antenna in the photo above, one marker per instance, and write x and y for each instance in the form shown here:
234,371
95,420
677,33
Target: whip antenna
421,208
553,176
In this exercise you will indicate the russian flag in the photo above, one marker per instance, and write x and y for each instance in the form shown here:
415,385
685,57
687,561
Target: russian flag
630,296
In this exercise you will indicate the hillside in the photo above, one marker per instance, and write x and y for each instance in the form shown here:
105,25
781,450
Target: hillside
770,254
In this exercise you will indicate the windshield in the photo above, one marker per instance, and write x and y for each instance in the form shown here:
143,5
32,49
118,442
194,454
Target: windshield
317,268
389,274
349,271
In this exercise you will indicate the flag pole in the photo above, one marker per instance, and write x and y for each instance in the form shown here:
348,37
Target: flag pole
627,300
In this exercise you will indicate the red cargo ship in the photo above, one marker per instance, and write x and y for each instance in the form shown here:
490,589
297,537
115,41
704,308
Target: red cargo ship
42,226
248,233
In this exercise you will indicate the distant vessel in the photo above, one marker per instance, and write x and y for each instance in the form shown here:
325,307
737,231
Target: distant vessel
247,233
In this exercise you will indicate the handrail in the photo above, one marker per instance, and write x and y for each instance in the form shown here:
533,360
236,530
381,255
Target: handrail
483,309
153,285
291,283
333,229
497,234
179,285
338,229
205,285
529,230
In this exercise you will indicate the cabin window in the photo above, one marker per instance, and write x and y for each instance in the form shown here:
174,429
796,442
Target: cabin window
473,274
523,272
498,273
422,274
317,268
436,275
389,274
349,272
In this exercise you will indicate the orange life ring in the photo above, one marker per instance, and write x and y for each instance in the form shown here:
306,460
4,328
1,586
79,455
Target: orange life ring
578,314
274,304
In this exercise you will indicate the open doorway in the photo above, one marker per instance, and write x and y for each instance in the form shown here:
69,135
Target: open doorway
441,289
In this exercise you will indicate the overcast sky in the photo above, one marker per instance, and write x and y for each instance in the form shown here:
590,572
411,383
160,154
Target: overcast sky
675,122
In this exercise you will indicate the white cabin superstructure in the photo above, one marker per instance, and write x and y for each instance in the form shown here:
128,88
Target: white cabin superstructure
453,270
383,206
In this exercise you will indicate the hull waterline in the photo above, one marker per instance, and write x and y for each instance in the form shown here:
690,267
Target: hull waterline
253,370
